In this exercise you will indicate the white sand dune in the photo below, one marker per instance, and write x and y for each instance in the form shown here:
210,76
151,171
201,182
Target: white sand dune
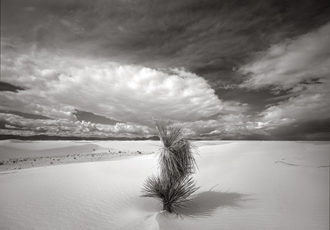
15,154
244,185
12,149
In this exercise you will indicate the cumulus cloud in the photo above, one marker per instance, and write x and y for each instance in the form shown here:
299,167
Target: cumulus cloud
229,126
292,62
301,67
63,127
311,104
58,85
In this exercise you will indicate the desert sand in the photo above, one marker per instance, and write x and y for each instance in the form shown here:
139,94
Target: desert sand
16,154
246,185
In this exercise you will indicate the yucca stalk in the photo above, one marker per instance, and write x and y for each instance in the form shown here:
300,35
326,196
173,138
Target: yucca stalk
174,185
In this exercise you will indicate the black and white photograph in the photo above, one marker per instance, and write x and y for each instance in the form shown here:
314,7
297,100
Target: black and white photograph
165,115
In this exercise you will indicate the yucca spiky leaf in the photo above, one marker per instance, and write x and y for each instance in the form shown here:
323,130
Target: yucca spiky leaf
176,158
173,194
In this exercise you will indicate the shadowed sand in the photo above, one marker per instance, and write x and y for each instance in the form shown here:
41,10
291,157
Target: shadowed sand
205,203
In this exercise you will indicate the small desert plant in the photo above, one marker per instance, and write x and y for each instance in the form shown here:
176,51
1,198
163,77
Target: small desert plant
174,185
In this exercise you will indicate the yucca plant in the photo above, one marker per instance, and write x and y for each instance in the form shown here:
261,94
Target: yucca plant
174,185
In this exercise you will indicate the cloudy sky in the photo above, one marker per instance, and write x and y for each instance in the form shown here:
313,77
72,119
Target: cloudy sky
223,69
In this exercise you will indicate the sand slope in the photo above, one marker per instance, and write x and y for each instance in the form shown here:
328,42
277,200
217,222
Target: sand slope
16,154
244,185
13,149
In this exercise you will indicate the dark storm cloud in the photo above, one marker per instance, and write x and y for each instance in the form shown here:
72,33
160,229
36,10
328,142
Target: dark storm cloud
257,100
311,130
5,86
91,117
207,37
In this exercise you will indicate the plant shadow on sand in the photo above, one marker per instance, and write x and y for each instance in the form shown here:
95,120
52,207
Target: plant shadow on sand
205,203
201,205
